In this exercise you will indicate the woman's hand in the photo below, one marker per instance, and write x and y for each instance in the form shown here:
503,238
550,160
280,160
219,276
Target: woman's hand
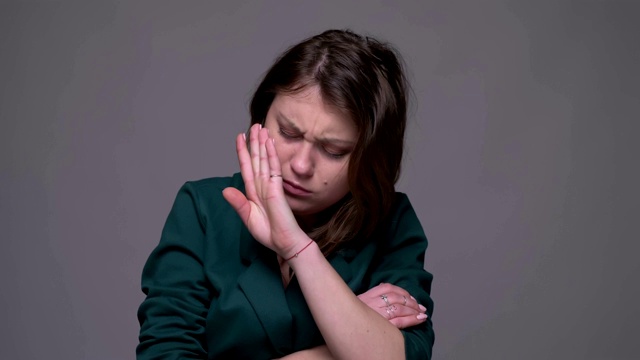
406,315
264,209
395,304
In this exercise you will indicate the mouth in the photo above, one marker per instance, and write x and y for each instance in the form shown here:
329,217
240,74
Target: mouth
295,189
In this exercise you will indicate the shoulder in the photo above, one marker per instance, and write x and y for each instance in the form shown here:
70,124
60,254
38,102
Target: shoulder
211,188
214,185
205,196
402,222
401,209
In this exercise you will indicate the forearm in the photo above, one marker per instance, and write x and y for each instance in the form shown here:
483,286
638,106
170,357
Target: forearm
316,353
350,328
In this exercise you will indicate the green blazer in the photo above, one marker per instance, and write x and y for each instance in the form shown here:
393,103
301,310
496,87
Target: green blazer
215,292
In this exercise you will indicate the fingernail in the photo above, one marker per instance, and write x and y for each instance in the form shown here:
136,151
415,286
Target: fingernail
273,141
421,316
244,136
422,307
413,298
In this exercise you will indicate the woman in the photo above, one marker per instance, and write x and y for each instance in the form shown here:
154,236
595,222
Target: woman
267,263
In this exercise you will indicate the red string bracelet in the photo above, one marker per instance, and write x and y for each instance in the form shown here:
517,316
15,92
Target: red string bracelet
301,250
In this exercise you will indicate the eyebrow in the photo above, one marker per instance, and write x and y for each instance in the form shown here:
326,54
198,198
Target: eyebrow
280,118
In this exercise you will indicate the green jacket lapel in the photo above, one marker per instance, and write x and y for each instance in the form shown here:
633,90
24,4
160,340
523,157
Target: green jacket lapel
262,285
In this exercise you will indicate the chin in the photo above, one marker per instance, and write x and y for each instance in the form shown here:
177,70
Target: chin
297,211
301,207
301,210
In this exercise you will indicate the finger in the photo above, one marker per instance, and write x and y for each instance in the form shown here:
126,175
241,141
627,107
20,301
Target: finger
404,322
274,162
400,311
246,168
265,172
402,317
238,202
403,300
254,147
394,311
394,295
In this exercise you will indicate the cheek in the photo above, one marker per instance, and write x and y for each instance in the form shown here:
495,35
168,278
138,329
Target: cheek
283,151
339,182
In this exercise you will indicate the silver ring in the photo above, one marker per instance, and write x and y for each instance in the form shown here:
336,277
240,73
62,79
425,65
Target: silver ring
388,313
275,175
391,310
384,297
405,300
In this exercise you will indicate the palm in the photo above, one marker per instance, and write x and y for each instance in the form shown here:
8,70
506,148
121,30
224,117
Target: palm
264,209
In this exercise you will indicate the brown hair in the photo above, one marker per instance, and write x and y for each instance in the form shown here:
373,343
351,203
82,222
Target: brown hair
363,78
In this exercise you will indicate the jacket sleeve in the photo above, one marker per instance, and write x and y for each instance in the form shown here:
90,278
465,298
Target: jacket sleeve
173,315
401,262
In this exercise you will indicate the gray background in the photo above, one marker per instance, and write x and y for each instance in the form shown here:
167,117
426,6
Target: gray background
521,163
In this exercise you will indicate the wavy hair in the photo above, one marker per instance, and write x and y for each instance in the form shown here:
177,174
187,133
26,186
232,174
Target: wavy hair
364,78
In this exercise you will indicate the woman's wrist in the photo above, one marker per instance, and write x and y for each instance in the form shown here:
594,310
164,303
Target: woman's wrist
306,254
296,254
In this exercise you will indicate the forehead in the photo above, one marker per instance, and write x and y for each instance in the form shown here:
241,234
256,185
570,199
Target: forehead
307,109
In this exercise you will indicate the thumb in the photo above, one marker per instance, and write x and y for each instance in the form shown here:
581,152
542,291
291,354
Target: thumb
238,202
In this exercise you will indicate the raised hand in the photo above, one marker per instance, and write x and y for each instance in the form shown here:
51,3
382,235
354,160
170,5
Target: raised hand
394,304
264,209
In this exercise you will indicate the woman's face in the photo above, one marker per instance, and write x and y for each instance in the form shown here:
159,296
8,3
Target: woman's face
314,142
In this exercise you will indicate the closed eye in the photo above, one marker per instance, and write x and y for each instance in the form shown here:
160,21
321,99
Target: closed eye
287,134
335,154
331,153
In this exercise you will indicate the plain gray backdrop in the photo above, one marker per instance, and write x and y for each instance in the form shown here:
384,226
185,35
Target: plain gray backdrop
522,160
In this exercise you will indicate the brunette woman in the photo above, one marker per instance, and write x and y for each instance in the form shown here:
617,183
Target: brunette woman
308,252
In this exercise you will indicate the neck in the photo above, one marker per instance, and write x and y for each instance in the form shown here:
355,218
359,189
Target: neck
311,222
307,223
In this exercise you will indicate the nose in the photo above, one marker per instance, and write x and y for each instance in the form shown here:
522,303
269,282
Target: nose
302,162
